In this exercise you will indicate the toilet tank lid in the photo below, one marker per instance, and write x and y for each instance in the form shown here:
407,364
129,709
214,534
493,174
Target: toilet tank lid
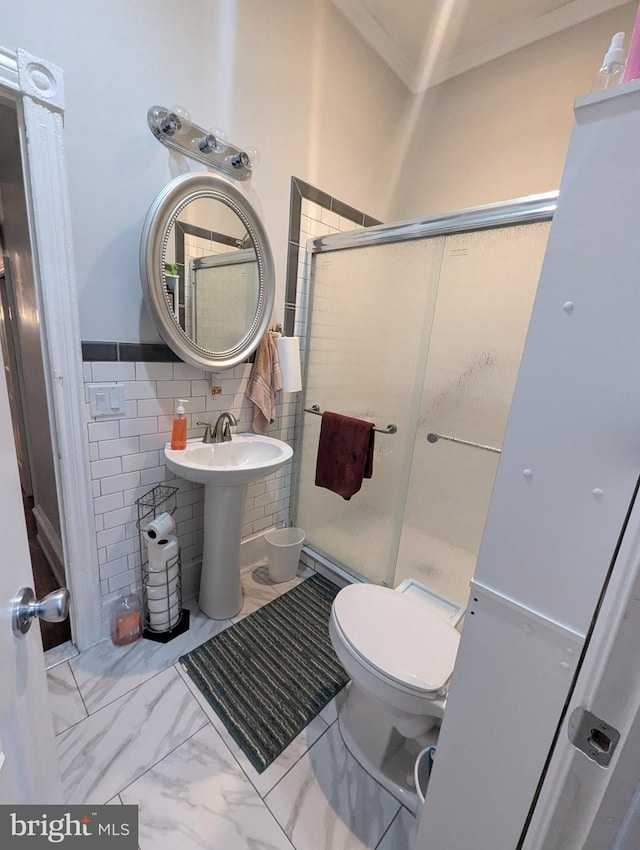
397,634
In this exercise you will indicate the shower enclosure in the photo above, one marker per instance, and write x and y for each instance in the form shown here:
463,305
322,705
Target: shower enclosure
421,325
223,285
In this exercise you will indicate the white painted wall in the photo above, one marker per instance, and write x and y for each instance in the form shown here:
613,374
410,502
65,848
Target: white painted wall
502,130
294,80
287,77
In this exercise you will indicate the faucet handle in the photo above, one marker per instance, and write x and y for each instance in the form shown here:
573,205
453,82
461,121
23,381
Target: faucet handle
208,433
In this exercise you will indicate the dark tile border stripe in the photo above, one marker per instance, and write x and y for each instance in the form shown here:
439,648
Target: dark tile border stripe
129,352
133,352
144,352
300,190
99,350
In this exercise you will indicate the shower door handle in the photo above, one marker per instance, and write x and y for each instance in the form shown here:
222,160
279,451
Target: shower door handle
54,608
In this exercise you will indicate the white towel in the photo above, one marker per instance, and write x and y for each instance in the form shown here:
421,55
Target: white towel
264,382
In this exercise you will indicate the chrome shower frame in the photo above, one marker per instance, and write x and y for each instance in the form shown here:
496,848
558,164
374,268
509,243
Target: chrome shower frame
520,211
527,210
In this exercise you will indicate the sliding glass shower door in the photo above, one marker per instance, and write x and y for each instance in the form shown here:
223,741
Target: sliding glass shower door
426,333
371,315
486,289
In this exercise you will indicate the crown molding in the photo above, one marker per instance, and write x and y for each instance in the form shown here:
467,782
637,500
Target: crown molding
418,76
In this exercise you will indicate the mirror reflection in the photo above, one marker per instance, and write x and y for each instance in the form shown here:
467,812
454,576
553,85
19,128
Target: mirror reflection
206,270
210,274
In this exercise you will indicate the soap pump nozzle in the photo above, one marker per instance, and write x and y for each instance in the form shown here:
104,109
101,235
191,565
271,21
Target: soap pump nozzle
615,53
612,65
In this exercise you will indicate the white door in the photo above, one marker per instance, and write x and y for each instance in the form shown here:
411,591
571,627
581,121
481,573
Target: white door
29,770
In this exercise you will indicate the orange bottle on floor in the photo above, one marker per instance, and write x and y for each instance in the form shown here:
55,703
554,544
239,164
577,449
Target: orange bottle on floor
126,619
179,427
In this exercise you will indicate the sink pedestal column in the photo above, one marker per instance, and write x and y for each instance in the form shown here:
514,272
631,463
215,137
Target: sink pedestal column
220,588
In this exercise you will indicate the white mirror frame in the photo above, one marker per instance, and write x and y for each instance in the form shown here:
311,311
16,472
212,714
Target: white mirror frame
35,86
155,232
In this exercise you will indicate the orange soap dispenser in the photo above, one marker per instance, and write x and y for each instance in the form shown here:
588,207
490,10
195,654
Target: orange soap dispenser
179,427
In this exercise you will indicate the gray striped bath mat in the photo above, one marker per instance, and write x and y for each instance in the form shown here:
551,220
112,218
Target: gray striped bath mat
270,674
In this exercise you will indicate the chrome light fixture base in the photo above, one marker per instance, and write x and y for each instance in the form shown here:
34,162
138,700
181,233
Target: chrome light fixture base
198,143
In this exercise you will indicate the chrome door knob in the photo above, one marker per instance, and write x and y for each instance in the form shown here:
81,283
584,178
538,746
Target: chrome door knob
54,607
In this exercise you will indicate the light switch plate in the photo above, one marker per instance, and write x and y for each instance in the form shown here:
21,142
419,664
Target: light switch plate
106,400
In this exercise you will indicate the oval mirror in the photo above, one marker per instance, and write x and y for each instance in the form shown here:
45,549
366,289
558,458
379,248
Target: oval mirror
207,271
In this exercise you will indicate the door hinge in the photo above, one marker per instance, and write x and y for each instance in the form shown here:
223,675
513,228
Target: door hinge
593,736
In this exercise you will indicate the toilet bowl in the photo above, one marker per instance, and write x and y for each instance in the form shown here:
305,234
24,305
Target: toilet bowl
399,650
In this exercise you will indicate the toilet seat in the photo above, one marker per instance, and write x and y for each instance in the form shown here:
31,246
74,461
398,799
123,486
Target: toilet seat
398,636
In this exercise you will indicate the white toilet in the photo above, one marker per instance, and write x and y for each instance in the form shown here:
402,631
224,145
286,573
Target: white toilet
399,648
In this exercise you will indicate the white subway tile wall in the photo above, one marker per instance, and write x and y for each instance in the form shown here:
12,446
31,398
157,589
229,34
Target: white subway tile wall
315,220
127,461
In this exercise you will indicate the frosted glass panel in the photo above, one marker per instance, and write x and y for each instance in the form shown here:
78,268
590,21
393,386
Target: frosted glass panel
369,322
226,293
485,296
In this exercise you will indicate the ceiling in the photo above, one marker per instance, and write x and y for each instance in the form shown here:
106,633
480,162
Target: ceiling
428,41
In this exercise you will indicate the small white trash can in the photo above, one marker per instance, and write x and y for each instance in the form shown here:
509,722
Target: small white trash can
284,546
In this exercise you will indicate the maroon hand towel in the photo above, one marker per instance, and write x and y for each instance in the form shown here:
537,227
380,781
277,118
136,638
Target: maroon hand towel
345,454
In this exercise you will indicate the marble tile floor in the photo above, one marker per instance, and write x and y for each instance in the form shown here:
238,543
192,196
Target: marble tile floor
133,729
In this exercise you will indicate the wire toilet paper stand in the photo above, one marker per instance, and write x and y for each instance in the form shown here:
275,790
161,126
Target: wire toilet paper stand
163,615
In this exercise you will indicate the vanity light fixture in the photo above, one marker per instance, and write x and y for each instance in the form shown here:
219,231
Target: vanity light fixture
175,120
172,126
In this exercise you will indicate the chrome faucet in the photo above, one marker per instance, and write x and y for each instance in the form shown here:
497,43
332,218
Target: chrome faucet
221,430
208,432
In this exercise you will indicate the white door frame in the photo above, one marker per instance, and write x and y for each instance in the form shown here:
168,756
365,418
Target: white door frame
36,87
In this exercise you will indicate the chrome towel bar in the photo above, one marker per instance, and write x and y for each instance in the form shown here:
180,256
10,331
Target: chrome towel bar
433,438
390,429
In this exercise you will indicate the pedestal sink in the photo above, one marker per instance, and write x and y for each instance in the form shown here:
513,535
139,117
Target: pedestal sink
226,470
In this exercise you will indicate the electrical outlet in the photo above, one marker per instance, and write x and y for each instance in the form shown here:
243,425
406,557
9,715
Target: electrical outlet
215,382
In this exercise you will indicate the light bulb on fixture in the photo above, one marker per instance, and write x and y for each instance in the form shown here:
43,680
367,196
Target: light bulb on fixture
214,142
240,160
245,159
254,157
177,120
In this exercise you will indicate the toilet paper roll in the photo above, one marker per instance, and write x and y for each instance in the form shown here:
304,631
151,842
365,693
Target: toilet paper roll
161,591
162,578
163,606
161,526
162,552
288,348
162,621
